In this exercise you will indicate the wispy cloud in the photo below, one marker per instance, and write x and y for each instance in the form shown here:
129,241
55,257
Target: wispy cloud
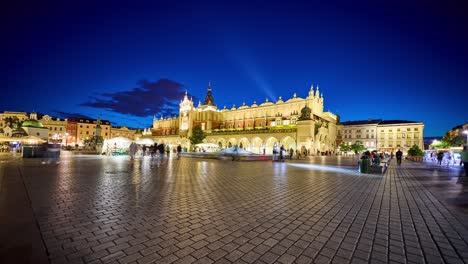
148,98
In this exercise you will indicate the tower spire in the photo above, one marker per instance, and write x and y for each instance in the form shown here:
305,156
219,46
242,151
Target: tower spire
209,100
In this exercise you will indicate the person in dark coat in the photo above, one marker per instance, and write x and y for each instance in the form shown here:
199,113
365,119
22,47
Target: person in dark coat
399,155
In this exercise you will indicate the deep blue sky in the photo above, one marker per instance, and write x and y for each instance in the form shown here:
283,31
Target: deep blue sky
371,59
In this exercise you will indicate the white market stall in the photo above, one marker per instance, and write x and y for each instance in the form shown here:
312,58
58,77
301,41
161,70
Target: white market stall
206,147
116,146
145,141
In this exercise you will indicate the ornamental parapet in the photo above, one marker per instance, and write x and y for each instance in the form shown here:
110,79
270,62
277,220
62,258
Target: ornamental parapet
253,131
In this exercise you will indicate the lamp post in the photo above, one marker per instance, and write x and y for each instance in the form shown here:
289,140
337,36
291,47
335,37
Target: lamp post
66,139
466,133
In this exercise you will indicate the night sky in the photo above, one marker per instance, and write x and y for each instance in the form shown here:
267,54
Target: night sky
130,60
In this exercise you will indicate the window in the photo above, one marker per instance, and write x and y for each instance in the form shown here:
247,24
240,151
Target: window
358,131
398,130
81,126
358,136
372,136
408,129
87,133
367,130
416,129
389,130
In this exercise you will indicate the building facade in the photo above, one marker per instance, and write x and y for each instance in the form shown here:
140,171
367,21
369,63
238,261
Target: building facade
83,129
382,135
123,132
57,129
295,123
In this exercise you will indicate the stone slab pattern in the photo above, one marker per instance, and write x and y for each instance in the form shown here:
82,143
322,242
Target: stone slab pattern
95,209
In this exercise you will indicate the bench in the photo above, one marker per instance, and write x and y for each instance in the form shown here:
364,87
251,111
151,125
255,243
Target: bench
382,167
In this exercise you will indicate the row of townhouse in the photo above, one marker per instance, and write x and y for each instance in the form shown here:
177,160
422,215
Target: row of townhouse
382,135
71,131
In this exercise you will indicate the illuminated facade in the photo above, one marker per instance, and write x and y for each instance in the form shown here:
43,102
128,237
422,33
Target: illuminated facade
57,128
84,129
297,123
123,132
383,135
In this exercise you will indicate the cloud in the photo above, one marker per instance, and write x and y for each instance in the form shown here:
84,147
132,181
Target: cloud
149,98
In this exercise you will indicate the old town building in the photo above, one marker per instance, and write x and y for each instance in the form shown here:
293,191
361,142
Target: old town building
295,123
382,135
83,129
123,132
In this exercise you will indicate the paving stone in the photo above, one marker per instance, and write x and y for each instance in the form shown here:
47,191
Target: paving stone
195,210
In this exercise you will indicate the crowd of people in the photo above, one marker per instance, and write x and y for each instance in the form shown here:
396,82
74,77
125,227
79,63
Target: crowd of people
156,150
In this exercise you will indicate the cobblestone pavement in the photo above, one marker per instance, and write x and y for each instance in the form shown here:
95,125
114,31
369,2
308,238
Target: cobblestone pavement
97,209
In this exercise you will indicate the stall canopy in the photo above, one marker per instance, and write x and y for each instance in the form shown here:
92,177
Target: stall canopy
145,141
31,140
7,139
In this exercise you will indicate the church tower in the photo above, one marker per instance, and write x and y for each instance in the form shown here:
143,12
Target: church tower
209,100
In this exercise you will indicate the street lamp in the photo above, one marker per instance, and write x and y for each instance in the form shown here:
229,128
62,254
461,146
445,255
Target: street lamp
66,139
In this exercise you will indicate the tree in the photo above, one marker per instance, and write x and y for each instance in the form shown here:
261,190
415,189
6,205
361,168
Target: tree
415,151
357,147
440,145
197,135
344,147
12,121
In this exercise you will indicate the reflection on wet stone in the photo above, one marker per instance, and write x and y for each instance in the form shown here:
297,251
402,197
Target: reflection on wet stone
104,208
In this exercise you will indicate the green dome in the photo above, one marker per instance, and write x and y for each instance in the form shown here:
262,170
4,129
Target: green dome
31,123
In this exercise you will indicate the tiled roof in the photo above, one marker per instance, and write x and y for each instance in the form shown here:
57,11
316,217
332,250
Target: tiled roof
376,122
362,122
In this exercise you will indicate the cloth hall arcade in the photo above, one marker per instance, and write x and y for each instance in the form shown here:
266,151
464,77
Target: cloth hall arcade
294,123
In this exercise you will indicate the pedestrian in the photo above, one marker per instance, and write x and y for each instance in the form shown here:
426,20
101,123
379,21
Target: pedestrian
440,157
464,159
291,153
281,158
168,150
399,155
179,150
133,149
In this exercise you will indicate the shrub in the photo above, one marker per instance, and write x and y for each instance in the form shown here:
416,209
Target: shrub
415,151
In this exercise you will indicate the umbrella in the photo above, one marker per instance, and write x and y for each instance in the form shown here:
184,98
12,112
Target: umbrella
6,139
31,140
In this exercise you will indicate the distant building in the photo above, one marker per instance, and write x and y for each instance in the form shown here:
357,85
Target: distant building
57,128
382,135
123,132
86,128
296,123
35,128
20,115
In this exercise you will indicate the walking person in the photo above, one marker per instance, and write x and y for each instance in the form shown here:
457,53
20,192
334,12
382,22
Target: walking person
179,150
399,155
133,149
464,159
440,157
281,158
